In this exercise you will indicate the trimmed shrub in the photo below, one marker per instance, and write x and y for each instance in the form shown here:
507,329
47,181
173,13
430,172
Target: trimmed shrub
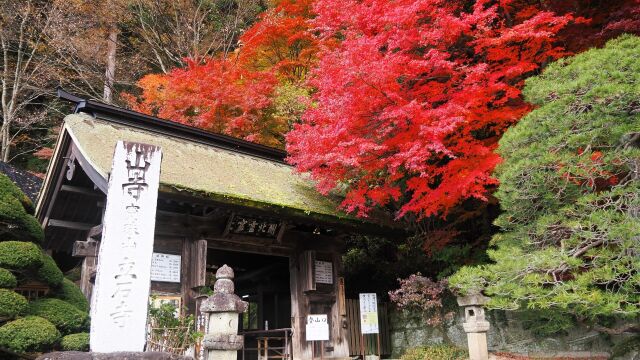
435,352
18,255
11,304
14,210
72,294
7,279
29,334
76,342
74,274
66,317
49,272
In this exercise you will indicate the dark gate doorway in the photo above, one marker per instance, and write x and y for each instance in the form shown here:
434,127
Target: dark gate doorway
263,282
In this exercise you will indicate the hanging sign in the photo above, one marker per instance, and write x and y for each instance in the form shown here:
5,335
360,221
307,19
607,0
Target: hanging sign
165,267
369,313
246,225
317,328
324,272
121,292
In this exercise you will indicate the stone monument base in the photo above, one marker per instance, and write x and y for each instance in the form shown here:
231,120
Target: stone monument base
125,355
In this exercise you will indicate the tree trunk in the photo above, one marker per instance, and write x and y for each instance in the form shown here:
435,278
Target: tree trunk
5,149
110,74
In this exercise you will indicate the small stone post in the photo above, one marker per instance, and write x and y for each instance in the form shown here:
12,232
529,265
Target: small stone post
222,340
475,325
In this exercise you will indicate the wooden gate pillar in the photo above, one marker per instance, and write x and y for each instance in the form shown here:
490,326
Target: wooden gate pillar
308,297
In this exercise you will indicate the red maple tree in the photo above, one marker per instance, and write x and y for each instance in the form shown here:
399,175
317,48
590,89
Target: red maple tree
281,40
219,95
411,97
239,95
413,101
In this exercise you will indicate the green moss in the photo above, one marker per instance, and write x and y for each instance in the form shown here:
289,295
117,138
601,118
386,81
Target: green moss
12,304
72,294
435,352
7,279
9,189
66,317
29,334
14,214
49,272
75,342
18,255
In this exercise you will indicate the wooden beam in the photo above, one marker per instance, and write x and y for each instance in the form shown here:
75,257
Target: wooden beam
95,232
81,191
70,224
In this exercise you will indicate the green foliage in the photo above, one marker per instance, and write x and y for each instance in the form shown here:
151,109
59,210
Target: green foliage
18,255
570,192
15,221
375,264
29,334
545,323
73,274
72,294
75,342
12,304
167,324
435,352
66,317
7,279
290,102
49,272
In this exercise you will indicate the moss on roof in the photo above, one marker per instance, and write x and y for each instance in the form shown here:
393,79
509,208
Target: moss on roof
205,170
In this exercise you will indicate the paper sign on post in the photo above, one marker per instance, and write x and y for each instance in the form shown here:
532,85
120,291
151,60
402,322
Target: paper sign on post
369,313
317,328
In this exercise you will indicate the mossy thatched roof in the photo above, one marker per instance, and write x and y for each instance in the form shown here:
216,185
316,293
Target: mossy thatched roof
206,170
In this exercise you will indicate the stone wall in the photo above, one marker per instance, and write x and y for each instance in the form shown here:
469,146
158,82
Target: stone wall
506,334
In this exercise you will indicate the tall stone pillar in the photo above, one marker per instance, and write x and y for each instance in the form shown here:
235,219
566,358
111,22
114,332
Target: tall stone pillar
475,325
222,340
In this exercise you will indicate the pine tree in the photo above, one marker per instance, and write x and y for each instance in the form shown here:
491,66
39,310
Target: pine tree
570,192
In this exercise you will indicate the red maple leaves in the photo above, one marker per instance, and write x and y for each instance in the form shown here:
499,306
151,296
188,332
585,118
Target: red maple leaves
414,99
410,97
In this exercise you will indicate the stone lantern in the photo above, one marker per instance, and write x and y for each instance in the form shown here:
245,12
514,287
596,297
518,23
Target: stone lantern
222,340
475,325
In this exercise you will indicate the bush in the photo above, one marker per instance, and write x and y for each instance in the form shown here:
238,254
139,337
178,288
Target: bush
435,352
7,279
569,189
49,272
11,304
18,255
29,334
66,317
72,294
14,210
76,342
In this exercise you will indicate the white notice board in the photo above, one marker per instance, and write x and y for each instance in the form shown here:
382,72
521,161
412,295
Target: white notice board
324,272
165,267
317,328
369,313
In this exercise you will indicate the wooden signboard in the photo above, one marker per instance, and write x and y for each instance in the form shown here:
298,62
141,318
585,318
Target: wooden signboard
317,328
165,267
323,272
121,292
369,313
